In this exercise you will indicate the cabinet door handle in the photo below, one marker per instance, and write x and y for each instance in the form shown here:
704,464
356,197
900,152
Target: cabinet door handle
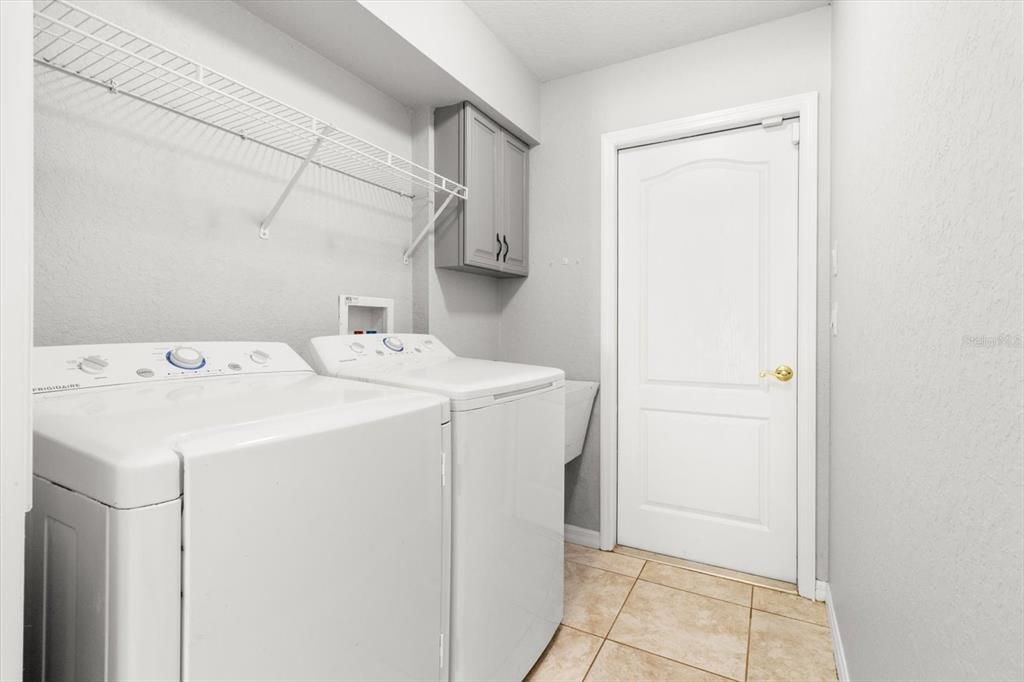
497,256
504,259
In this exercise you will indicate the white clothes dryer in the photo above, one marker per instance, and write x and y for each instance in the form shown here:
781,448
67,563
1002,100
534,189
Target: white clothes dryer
508,444
217,511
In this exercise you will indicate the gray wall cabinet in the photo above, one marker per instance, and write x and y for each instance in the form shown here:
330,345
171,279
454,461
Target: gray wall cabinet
488,233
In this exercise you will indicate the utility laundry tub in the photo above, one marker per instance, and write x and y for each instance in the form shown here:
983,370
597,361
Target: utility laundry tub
579,403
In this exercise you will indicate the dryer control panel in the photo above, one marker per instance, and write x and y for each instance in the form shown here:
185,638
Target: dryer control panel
69,368
375,354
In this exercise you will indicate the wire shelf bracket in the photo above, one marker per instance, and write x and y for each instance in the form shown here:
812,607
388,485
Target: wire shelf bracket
265,224
407,254
74,41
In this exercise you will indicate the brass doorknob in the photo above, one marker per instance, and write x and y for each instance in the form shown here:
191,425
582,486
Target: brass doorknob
782,373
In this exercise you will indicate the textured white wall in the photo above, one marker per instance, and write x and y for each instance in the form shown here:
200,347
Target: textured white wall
553,318
927,399
465,312
146,222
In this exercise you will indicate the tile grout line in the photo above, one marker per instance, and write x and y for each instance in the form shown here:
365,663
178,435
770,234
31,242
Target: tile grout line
623,604
750,634
674,660
699,594
607,570
799,620
673,587
576,629
610,570
752,583
723,577
711,574
610,626
594,659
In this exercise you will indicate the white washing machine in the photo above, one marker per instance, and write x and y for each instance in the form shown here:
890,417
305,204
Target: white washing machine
218,511
508,444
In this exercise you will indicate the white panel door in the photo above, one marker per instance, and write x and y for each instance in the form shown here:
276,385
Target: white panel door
708,299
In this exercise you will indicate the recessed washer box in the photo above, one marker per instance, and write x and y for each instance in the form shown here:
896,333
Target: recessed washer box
360,314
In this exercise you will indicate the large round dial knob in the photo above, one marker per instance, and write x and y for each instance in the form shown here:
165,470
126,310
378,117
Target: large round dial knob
186,358
93,364
260,357
394,343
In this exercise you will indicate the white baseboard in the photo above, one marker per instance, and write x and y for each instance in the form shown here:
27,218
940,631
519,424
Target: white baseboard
837,641
582,536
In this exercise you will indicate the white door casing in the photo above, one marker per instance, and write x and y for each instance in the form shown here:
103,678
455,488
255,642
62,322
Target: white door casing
804,106
708,299
16,214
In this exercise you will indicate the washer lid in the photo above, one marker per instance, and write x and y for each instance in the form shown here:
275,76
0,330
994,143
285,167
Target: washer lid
121,444
421,361
465,378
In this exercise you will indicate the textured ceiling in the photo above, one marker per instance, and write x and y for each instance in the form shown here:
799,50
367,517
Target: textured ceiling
556,38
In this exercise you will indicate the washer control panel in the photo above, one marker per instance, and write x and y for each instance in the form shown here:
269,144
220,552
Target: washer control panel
377,353
68,368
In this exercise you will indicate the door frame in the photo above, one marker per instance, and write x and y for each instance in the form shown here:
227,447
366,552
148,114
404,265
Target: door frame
16,216
806,107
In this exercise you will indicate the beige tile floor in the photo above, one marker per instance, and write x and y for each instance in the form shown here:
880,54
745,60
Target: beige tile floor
632,615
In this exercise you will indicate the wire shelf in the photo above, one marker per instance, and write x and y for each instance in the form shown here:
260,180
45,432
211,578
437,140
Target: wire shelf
77,42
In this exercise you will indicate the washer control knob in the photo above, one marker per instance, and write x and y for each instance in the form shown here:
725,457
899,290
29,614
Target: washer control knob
186,357
357,347
260,357
93,364
394,343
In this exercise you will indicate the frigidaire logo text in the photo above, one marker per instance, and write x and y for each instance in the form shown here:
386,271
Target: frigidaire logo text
54,387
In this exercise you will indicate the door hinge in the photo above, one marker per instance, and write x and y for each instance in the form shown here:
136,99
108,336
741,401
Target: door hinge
796,132
444,475
773,122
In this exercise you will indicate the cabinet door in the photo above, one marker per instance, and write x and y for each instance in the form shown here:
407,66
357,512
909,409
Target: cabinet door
514,187
483,152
